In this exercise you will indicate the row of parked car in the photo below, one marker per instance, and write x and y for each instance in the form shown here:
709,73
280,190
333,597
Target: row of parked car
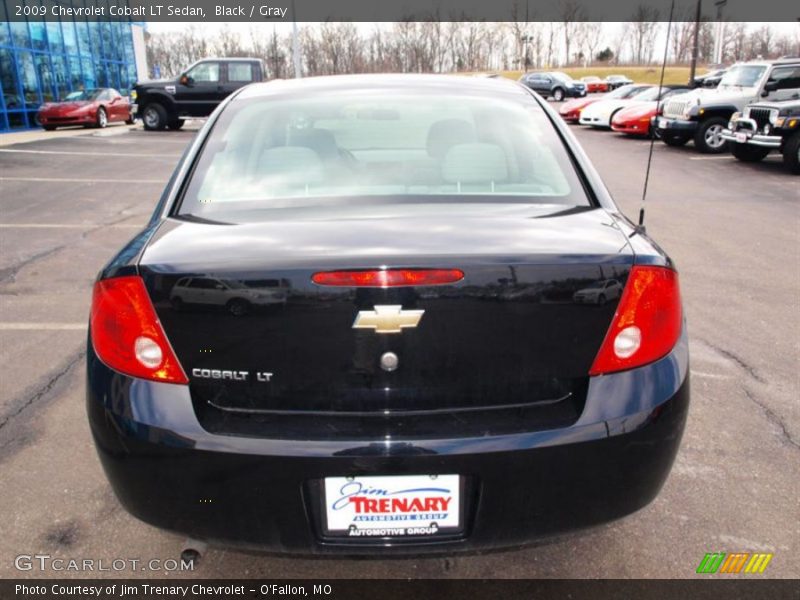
752,111
559,86
160,104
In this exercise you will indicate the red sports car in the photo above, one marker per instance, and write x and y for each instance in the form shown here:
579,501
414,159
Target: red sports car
634,120
571,111
91,108
637,118
594,84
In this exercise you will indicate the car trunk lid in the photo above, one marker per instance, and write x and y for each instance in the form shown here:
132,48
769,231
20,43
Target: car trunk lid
255,334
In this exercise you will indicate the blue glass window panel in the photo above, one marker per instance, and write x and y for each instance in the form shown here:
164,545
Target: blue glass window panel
70,37
45,72
54,39
84,47
89,80
60,76
30,83
19,34
9,80
38,35
75,76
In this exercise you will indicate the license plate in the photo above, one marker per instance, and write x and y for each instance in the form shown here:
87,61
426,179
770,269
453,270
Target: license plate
662,123
392,506
741,137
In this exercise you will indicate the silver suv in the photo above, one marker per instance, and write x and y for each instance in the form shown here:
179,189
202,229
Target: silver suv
702,114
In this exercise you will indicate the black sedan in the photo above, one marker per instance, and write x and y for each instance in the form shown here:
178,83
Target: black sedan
617,81
431,380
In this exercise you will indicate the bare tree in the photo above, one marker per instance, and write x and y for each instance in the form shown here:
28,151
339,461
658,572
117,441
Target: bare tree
644,28
459,45
760,42
620,42
593,39
571,13
735,42
173,52
229,43
551,42
520,28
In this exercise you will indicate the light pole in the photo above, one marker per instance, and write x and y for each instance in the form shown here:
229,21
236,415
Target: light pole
525,39
718,41
693,68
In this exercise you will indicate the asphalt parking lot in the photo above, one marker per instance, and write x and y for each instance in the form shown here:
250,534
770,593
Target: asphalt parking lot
68,203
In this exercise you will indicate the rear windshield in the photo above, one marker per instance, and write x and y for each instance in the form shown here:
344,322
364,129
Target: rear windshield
378,146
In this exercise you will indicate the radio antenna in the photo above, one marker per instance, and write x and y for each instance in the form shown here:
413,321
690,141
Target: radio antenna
640,228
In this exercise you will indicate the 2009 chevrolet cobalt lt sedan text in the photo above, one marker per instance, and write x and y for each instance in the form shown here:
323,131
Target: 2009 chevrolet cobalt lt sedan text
355,324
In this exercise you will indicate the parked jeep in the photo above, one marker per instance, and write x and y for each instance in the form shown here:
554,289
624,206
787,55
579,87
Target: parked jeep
702,114
195,93
763,127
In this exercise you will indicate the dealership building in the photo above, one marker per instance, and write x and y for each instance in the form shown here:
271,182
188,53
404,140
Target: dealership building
42,61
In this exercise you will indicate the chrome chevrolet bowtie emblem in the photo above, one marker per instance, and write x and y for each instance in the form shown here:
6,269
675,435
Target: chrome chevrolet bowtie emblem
387,319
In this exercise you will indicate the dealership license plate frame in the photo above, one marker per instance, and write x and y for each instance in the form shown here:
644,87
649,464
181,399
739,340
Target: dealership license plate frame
742,137
447,530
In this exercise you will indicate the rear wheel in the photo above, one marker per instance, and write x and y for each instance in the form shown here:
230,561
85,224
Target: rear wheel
101,120
558,95
674,139
154,117
708,137
791,154
748,152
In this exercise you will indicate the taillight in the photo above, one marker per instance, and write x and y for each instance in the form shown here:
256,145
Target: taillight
647,323
126,333
385,278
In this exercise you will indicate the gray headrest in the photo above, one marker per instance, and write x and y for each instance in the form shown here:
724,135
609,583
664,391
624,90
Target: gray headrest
291,165
446,133
475,163
320,141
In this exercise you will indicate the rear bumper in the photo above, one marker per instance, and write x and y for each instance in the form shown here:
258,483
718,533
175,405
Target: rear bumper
262,493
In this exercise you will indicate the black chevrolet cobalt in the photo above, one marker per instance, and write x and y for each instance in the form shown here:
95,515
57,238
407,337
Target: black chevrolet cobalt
386,314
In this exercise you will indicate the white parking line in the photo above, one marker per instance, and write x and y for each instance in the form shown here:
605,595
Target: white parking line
126,154
81,180
119,142
718,157
66,225
709,375
42,326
